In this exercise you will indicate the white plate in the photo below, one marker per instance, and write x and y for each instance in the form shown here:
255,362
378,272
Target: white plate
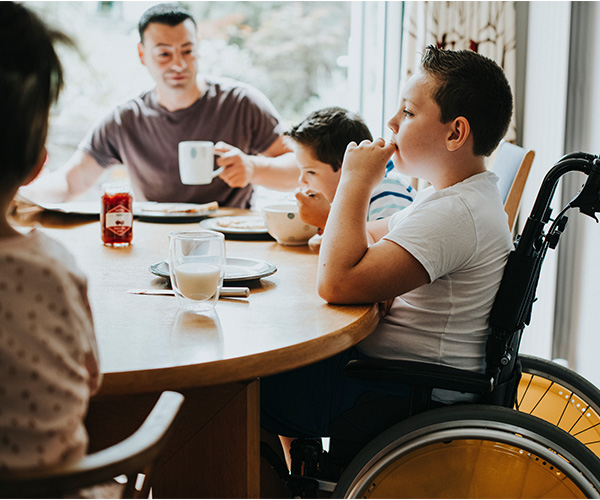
236,269
235,224
142,210
153,211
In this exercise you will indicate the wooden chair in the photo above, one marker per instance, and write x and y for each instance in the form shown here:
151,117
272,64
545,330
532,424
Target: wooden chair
135,455
512,165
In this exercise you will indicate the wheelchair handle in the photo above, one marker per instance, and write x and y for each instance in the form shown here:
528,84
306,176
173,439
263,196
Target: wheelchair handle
587,200
514,301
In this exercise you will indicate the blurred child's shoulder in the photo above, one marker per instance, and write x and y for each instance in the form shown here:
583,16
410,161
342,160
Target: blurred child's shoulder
36,250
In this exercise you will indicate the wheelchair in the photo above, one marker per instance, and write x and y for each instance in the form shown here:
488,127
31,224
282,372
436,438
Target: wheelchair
531,431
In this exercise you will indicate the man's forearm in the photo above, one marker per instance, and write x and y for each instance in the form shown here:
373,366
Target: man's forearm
50,187
280,173
71,180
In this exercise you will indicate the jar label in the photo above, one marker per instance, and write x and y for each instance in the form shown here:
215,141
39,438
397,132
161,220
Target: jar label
119,220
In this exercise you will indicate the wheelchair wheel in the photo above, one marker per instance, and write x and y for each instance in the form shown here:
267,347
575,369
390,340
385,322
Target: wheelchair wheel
562,397
472,451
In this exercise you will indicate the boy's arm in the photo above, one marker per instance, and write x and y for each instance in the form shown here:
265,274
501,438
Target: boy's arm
377,229
351,271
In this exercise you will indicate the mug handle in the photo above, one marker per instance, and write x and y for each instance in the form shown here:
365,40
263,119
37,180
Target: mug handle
220,169
217,172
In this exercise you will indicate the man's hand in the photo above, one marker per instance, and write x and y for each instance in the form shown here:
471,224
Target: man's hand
313,208
239,167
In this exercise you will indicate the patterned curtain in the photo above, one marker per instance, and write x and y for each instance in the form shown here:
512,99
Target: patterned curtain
484,27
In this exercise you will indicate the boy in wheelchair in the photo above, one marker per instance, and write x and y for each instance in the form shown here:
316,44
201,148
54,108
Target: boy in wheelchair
434,267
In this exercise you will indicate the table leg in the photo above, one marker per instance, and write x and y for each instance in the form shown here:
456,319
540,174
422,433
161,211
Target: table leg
213,451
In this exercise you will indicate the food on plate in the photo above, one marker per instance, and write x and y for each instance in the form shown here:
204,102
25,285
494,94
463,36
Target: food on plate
254,223
178,208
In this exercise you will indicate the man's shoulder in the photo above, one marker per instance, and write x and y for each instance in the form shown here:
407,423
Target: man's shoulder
226,84
229,88
131,110
144,100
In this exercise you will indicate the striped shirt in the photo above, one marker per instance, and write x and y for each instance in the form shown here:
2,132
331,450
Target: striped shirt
390,196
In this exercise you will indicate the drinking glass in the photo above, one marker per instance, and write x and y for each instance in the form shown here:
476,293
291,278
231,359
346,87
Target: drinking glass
197,266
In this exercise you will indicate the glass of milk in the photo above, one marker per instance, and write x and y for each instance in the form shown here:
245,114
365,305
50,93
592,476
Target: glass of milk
197,266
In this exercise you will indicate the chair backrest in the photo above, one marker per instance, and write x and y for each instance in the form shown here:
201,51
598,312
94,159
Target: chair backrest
512,165
135,455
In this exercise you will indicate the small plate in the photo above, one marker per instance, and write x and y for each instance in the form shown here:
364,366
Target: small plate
149,211
152,211
236,269
243,224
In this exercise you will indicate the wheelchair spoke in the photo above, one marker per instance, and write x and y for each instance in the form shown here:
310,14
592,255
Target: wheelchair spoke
525,391
561,397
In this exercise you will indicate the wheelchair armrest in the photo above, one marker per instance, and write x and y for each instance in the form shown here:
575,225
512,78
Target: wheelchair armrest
420,374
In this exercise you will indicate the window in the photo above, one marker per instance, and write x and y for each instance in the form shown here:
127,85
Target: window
294,52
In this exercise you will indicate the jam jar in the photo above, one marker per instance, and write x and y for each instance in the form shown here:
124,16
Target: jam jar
116,215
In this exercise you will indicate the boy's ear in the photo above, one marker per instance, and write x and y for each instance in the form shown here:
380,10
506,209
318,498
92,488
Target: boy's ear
460,129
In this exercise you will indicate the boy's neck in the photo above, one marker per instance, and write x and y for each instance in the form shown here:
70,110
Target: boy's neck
458,171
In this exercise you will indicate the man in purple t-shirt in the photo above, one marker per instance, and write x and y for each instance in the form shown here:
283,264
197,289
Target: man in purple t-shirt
144,133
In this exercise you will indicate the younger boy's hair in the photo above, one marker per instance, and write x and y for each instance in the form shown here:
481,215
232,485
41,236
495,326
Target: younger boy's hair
328,131
31,78
473,86
170,14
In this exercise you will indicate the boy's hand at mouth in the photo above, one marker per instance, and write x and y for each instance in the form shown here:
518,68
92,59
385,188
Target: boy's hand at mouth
313,207
365,162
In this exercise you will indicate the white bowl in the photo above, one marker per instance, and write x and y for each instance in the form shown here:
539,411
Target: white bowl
285,225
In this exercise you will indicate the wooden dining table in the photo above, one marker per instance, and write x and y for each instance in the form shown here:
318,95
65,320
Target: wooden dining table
148,345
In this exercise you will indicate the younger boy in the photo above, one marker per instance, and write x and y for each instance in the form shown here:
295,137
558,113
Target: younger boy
437,264
319,142
48,360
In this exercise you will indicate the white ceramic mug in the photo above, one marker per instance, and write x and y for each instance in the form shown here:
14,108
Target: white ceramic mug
197,267
196,162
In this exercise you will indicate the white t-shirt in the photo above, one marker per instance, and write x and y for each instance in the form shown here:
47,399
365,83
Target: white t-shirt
460,235
46,334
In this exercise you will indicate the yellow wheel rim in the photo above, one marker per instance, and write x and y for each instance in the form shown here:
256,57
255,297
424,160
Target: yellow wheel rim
559,406
471,468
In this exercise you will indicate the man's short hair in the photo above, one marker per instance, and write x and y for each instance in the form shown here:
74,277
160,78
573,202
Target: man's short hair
170,14
328,131
31,78
473,86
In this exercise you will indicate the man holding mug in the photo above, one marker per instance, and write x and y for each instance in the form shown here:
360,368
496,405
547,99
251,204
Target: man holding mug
143,133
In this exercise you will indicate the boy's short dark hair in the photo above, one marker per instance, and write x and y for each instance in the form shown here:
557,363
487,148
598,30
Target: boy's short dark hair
473,86
328,132
31,78
170,14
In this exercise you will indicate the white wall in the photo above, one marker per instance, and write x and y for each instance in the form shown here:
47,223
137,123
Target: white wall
585,324
544,118
562,114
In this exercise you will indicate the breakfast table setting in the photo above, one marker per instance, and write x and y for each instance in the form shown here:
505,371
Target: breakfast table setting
266,318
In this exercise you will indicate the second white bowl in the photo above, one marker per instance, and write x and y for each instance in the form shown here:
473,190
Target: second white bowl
285,225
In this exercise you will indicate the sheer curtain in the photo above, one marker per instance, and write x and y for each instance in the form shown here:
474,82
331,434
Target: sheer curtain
484,27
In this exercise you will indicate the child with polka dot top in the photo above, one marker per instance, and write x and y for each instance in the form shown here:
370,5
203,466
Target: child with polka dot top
48,354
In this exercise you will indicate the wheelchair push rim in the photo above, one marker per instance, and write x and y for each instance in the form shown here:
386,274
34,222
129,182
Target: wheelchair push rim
474,451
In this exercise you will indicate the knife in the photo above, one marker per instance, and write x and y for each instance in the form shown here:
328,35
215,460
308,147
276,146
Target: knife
226,291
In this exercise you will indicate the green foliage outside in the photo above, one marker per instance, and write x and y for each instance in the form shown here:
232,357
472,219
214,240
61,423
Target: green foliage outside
292,51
